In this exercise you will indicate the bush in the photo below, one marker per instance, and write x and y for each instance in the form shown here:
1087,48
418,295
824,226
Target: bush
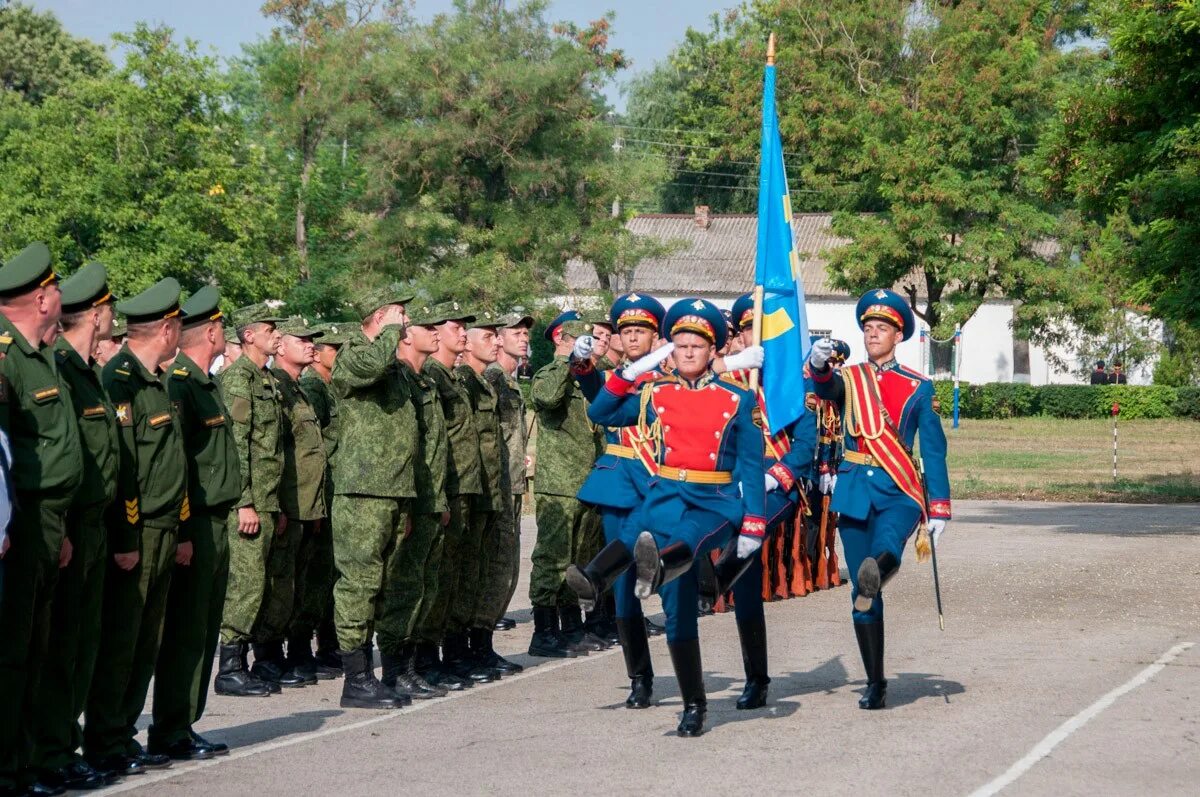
998,400
1155,401
1187,403
1068,401
1007,400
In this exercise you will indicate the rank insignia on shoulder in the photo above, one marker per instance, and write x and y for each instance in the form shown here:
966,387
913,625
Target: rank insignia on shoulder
124,414
45,394
121,372
180,372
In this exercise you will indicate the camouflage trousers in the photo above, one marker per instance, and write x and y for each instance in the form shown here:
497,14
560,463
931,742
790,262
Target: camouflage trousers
436,623
314,580
567,532
416,579
191,629
501,565
135,603
250,585
367,551
74,641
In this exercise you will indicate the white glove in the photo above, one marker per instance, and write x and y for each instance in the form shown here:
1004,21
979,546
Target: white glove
647,363
827,483
749,357
770,482
583,348
822,350
747,546
936,526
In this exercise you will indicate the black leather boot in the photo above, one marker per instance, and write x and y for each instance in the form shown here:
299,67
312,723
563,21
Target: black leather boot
429,667
390,667
716,579
456,657
570,619
218,748
269,665
685,656
482,646
655,567
870,645
753,635
873,573
329,663
635,646
404,677
608,623
597,577
546,641
360,688
300,660
233,679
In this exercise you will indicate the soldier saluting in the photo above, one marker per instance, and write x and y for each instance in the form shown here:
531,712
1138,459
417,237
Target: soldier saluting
879,493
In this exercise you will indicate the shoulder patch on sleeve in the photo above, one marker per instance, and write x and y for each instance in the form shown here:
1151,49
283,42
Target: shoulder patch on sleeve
239,409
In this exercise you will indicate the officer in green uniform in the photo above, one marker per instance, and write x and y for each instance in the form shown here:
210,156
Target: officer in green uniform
464,482
505,566
87,315
143,530
475,606
566,450
198,585
301,495
37,415
252,394
421,557
315,384
374,487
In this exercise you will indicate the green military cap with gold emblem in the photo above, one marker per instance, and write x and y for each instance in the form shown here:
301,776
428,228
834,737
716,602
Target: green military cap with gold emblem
336,333
369,300
85,289
576,328
485,320
28,270
597,318
298,327
446,311
119,328
202,306
515,320
261,313
159,301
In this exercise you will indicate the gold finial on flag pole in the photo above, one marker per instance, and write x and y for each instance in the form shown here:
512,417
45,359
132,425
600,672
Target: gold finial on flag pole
771,49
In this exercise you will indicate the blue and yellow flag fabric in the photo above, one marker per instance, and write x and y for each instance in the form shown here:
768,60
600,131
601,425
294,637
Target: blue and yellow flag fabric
777,269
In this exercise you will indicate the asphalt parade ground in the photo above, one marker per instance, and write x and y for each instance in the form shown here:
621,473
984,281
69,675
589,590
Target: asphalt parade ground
1070,665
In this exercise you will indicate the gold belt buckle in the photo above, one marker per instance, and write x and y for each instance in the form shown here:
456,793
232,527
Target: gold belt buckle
682,474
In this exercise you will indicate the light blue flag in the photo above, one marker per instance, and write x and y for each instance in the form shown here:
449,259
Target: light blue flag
777,269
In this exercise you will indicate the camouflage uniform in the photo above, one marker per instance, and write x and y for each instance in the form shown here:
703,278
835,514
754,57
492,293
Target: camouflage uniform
505,566
472,610
317,600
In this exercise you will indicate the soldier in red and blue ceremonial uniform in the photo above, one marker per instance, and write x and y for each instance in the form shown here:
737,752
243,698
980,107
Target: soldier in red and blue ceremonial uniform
828,457
881,491
616,486
787,466
709,484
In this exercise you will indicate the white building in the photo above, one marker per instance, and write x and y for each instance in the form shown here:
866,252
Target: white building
714,259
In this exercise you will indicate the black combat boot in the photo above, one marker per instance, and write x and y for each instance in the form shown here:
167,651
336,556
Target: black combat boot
753,635
873,573
300,660
269,665
685,656
456,656
546,641
655,567
329,663
233,679
482,646
870,645
429,666
391,665
570,620
405,676
361,689
597,577
635,646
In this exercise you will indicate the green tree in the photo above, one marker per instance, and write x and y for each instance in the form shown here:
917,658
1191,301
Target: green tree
1125,150
38,57
147,170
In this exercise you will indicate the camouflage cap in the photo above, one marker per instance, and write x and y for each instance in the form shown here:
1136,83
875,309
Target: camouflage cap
576,328
447,311
515,320
484,320
597,317
335,334
119,328
231,336
261,313
369,300
298,327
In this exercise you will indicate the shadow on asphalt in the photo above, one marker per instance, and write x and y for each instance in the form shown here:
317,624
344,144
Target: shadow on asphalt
1121,520
909,687
267,730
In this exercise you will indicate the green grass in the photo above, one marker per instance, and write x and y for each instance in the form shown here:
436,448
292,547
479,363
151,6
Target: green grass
1052,459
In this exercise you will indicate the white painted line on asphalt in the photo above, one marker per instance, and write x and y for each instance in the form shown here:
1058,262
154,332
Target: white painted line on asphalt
141,781
1062,732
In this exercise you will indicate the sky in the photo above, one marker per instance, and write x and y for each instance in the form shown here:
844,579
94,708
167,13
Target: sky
646,30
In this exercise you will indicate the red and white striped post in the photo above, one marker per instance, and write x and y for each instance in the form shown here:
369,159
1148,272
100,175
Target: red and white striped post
1116,410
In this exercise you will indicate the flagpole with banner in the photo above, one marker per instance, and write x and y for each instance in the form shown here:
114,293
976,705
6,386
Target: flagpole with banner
780,317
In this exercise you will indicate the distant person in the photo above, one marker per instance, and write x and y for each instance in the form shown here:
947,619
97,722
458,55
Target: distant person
1117,377
1100,375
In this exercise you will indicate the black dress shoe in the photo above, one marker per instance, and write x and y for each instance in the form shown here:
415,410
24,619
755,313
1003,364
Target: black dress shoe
182,750
754,695
641,692
119,765
218,748
153,760
691,724
506,624
78,776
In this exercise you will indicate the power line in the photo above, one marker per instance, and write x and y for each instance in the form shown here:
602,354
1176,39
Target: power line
705,133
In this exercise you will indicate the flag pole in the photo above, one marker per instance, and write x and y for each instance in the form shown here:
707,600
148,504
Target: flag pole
756,329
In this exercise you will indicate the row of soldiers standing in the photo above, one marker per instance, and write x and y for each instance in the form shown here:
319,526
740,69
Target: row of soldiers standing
161,513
